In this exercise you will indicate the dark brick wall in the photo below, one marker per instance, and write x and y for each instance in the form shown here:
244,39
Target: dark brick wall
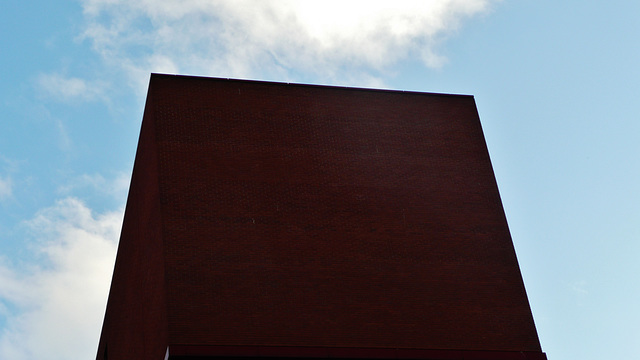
135,324
295,353
302,215
311,216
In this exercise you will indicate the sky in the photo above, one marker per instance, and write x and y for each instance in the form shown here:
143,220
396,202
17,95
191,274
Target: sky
556,86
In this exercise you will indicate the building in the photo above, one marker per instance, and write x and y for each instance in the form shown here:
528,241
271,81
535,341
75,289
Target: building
271,220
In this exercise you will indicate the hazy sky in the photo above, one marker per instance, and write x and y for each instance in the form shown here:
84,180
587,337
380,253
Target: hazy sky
557,85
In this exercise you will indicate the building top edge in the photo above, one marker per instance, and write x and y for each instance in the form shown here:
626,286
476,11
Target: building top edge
162,76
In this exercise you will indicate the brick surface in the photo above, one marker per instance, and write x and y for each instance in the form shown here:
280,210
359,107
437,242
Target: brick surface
281,215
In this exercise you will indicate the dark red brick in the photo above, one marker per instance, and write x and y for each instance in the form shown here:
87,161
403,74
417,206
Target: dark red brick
276,218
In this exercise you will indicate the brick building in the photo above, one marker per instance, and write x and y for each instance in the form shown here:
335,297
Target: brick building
271,220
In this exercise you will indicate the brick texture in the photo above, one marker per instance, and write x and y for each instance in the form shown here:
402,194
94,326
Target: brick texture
293,216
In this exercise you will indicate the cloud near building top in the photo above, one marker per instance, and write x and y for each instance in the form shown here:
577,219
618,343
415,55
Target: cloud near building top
243,38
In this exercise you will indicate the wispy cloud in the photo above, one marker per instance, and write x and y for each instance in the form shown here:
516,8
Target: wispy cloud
580,287
115,187
332,39
57,305
66,88
6,187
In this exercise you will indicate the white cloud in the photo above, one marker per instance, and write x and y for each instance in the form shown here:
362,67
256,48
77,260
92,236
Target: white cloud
115,187
580,287
54,309
249,38
6,188
69,88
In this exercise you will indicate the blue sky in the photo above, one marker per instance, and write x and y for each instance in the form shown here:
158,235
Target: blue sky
556,85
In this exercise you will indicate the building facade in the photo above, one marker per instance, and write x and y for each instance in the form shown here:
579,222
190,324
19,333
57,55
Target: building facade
272,220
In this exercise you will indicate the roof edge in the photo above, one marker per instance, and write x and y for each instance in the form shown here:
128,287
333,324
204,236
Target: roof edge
161,76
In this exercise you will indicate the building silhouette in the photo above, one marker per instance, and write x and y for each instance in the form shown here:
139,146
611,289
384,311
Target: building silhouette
272,220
